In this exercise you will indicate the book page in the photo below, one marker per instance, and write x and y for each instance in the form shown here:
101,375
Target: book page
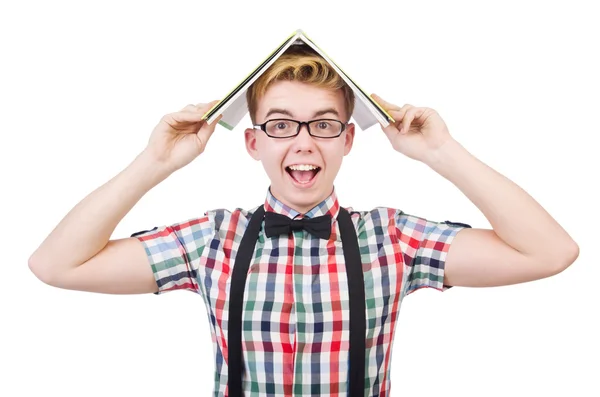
234,112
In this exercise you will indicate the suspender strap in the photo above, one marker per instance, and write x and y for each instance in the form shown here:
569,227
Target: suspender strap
356,290
236,303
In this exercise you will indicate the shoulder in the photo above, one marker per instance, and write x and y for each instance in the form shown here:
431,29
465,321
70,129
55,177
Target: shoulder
220,215
403,222
375,214
224,220
375,218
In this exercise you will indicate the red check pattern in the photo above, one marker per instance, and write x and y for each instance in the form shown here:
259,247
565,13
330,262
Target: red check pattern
295,327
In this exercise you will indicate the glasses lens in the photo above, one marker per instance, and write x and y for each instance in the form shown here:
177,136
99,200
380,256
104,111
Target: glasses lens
326,128
281,128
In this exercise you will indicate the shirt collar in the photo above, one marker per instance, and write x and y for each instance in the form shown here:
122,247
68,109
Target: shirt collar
329,206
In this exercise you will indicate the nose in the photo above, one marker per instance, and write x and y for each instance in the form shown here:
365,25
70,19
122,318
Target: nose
304,141
304,128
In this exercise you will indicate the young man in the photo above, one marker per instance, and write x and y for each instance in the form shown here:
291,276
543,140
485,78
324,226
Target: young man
307,306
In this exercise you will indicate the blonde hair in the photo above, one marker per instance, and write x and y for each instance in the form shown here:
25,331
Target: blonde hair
299,63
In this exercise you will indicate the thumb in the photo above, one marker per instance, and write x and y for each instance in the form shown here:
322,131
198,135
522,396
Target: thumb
206,130
385,104
391,132
207,107
204,109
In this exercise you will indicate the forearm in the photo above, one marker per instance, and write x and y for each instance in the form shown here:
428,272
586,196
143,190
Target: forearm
87,228
514,215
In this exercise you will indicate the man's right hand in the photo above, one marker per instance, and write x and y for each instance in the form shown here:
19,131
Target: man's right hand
182,136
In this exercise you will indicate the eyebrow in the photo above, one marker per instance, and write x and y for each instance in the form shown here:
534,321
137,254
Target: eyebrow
325,111
281,111
288,113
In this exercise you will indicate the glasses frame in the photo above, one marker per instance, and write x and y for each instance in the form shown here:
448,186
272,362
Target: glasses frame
263,127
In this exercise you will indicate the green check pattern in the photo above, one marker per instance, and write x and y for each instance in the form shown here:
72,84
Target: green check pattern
295,325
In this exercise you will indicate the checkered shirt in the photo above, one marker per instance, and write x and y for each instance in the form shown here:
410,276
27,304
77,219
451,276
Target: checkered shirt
295,325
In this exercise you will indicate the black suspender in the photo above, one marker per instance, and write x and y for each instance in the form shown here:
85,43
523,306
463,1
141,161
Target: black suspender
236,303
356,290
356,375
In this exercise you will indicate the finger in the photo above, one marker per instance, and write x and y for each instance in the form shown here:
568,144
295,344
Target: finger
201,105
215,121
204,108
207,130
183,118
399,114
411,114
385,104
390,131
189,115
189,107
208,105
198,107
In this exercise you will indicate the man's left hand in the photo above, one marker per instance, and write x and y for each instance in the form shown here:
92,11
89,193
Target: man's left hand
418,131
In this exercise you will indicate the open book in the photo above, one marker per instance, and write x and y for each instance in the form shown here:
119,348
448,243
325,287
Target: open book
234,107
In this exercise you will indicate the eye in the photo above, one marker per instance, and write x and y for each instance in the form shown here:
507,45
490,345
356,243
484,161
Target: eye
323,125
282,125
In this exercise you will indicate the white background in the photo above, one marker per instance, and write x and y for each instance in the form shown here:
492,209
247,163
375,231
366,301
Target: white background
84,83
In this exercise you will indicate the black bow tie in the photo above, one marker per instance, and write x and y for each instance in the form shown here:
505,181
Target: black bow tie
276,224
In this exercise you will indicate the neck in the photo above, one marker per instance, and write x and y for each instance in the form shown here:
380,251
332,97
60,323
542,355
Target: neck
300,206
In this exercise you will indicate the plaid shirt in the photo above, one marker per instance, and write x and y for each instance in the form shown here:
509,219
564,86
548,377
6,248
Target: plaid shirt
295,327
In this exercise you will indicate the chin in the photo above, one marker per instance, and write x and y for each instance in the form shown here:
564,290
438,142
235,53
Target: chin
306,199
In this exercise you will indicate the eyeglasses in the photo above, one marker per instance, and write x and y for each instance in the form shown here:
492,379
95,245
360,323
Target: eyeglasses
287,128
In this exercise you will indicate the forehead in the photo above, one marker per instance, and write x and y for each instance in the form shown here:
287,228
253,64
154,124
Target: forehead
301,100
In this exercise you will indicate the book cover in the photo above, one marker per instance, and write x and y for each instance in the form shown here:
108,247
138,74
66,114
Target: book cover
233,107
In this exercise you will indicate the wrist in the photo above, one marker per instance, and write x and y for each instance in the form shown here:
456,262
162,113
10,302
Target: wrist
446,157
149,168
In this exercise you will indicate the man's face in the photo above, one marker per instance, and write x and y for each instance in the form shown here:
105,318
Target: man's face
302,102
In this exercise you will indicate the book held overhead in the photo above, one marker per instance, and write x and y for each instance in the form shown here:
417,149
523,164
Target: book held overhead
233,107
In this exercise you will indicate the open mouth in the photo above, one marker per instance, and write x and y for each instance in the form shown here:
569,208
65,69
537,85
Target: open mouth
303,177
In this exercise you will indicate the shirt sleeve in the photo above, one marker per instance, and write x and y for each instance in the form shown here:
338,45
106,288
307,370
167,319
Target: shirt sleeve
424,246
175,251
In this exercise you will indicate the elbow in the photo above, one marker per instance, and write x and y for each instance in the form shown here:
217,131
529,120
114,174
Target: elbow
34,267
39,271
566,256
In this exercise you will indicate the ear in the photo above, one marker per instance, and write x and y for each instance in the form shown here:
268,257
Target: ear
250,138
349,138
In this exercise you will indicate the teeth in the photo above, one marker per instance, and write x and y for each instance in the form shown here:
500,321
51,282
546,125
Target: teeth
303,167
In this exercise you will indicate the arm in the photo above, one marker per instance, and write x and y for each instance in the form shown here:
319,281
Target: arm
78,254
526,243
